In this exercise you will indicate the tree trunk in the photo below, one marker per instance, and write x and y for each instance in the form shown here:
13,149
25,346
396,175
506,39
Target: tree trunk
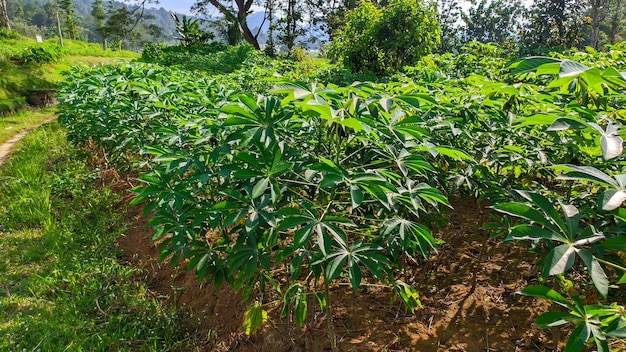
615,20
58,20
5,14
243,8
595,23
242,14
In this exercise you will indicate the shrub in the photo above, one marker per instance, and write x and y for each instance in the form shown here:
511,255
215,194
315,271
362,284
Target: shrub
43,54
364,44
212,58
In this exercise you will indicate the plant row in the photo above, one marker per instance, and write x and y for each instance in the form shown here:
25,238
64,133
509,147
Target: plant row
283,194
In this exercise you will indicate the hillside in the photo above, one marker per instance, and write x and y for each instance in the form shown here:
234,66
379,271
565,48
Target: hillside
31,17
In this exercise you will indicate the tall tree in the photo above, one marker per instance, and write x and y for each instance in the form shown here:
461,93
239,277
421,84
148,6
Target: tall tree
270,10
364,43
289,24
58,22
618,16
449,15
331,14
555,23
70,22
5,14
492,20
99,14
238,16
598,12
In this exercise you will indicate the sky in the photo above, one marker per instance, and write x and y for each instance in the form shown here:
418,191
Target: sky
183,6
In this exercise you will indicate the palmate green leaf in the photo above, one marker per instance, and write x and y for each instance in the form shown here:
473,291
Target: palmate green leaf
250,160
354,273
578,338
356,195
250,102
546,206
550,319
611,199
431,195
588,173
617,328
409,296
260,188
324,111
335,266
254,318
571,68
617,243
453,153
303,236
537,119
529,232
613,77
559,260
238,110
417,100
597,274
599,338
292,221
416,163
409,234
524,211
567,123
547,293
246,173
531,64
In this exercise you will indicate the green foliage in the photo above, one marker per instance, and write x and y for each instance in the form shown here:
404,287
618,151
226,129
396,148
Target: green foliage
598,322
65,288
496,21
190,32
45,54
554,24
211,58
474,58
363,44
326,182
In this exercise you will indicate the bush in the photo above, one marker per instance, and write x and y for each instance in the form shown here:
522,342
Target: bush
43,54
213,58
382,40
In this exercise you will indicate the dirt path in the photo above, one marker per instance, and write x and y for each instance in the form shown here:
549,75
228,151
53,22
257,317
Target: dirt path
6,147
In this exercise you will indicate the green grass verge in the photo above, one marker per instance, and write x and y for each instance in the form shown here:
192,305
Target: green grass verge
16,80
17,122
62,287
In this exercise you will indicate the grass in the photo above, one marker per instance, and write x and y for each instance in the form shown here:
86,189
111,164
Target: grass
62,287
16,79
19,121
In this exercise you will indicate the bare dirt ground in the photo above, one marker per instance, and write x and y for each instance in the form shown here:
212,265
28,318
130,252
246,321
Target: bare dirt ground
467,289
5,148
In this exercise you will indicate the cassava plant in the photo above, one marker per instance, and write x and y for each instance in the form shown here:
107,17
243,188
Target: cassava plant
311,183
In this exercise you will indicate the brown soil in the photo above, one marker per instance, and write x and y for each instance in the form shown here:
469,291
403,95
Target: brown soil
467,290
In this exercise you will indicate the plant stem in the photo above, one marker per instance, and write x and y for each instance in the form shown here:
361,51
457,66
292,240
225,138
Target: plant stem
329,319
613,265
